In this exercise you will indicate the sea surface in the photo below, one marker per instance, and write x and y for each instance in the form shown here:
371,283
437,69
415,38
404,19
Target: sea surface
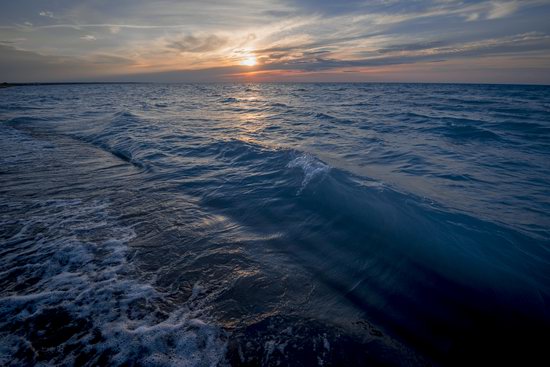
274,224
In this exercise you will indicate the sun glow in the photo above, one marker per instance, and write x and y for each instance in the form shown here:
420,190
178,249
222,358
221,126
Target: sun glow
249,61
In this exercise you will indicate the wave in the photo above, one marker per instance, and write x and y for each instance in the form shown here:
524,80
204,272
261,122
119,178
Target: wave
468,132
106,135
311,167
69,291
465,129
26,120
72,276
230,100
401,257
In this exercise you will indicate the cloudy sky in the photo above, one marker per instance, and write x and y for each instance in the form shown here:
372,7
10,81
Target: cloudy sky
275,40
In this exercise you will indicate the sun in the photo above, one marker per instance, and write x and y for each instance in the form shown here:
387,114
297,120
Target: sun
249,61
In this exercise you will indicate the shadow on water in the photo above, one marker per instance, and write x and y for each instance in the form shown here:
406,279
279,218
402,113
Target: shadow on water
457,288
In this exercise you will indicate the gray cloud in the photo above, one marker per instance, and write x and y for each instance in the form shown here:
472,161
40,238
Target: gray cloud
411,47
192,43
333,7
25,66
48,14
501,9
416,52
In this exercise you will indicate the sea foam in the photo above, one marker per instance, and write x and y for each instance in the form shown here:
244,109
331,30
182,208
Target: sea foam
67,266
311,167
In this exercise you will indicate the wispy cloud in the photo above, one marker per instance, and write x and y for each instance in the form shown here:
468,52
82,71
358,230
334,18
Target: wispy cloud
27,66
502,9
471,17
88,37
47,14
413,53
191,43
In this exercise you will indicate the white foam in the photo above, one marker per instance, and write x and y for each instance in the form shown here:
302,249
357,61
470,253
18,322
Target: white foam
79,254
311,167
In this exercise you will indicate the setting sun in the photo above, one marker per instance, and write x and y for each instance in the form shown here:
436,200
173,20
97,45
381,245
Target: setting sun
249,61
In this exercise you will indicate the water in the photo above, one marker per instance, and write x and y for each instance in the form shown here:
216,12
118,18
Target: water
274,224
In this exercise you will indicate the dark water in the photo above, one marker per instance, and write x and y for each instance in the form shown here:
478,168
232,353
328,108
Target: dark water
274,224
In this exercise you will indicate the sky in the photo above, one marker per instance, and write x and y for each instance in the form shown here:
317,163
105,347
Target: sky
275,40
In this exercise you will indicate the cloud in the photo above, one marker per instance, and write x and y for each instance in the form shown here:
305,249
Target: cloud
417,46
279,13
328,6
109,60
197,44
88,37
12,41
18,65
25,66
472,17
413,53
502,9
47,14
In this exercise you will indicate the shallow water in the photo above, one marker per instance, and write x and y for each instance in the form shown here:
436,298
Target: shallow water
274,224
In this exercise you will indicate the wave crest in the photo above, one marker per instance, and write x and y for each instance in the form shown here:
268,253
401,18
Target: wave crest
311,167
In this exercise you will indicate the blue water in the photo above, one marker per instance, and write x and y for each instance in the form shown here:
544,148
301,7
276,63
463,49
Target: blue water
274,224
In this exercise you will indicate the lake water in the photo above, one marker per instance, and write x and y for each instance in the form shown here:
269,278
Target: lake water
274,224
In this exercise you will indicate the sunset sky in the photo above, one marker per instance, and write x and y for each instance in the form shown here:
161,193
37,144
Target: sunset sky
275,40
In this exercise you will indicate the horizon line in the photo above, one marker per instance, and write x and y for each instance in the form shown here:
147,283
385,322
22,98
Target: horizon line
18,84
